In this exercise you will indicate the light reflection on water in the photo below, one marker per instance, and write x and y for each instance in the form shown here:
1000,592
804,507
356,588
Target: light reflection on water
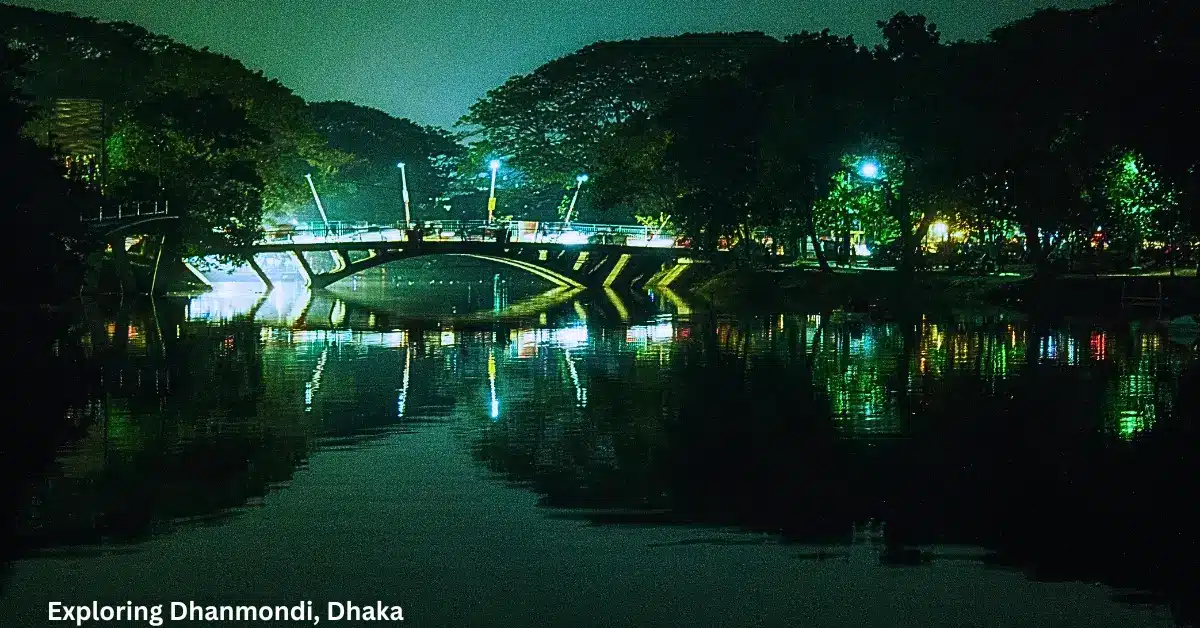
711,421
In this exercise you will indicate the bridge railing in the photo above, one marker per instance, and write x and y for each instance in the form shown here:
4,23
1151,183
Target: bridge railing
317,231
478,231
122,211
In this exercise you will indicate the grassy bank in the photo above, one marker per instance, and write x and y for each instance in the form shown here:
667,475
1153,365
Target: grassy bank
806,289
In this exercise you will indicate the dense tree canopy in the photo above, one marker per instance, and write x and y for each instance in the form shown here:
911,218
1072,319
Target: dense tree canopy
1056,127
228,147
1022,137
432,158
40,205
224,144
550,122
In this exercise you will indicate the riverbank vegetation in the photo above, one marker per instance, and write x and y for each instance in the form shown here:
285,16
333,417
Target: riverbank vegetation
124,117
1058,140
1057,143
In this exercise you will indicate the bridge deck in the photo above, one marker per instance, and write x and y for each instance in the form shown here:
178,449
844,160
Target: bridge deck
437,247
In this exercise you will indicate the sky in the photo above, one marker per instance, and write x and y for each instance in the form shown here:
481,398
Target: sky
428,60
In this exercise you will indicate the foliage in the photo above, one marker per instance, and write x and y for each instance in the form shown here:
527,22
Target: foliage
630,176
551,122
150,85
370,186
198,154
1140,206
39,201
1012,133
657,223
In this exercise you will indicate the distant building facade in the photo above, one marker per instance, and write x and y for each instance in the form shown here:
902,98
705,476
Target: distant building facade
77,130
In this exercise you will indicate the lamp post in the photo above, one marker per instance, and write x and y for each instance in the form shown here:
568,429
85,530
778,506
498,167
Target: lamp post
404,191
872,171
492,196
579,181
320,207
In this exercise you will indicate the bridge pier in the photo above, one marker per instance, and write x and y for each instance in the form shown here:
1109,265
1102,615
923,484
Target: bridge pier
565,265
340,262
121,264
262,276
306,271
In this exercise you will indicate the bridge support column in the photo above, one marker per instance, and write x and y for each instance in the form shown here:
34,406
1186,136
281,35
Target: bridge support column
252,262
162,244
121,263
616,269
339,260
305,269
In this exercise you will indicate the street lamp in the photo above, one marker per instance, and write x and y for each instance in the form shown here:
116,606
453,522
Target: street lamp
872,171
579,181
320,207
404,190
492,196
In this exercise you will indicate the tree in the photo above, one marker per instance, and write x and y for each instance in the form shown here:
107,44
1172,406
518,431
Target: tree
715,157
1138,204
1033,152
818,88
853,202
630,177
372,186
132,71
42,206
551,122
197,153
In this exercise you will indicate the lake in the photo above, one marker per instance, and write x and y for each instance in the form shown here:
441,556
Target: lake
483,453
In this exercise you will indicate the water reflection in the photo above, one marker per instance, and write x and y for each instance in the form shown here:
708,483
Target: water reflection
992,432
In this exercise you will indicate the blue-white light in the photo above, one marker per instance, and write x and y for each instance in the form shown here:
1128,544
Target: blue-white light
572,237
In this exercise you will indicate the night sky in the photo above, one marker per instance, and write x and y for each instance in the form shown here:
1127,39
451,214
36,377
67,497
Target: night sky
429,60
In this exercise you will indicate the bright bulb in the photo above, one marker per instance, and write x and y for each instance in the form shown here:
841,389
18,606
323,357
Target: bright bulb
495,164
400,164
869,170
582,178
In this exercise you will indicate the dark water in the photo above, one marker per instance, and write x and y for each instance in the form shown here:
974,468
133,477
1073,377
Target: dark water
569,459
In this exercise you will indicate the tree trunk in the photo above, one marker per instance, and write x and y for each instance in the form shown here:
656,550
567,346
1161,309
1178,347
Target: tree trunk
907,247
845,254
812,234
1034,252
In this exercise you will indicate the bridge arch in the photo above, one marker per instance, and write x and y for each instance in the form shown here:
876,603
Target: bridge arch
109,229
346,268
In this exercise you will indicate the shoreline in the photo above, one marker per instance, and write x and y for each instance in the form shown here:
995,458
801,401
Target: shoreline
795,289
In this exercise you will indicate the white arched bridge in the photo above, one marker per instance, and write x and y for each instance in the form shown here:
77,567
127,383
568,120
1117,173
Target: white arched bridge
569,255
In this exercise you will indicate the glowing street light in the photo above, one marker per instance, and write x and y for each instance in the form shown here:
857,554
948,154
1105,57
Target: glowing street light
579,181
404,189
940,231
492,196
869,170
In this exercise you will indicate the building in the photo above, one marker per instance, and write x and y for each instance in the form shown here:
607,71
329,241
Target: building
77,130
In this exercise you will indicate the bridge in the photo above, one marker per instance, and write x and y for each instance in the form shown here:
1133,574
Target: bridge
114,220
569,255
574,255
111,224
